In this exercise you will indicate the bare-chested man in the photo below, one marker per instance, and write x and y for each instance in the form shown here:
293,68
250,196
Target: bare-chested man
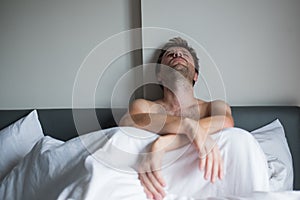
179,117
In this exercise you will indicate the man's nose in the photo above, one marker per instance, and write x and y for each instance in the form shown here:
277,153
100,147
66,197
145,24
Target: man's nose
177,54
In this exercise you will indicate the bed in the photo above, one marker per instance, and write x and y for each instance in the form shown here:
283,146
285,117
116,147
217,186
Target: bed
58,126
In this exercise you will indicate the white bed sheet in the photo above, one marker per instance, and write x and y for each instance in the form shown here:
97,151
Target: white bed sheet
100,165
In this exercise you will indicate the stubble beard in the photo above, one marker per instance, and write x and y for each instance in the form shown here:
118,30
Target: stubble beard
176,76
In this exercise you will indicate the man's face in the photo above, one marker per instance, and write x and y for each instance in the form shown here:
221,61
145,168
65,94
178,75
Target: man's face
177,56
181,60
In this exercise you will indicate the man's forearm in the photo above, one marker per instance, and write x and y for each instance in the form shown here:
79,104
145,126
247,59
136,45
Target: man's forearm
158,123
169,142
216,123
166,124
210,125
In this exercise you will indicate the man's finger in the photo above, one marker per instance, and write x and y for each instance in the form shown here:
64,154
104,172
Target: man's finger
215,167
202,162
149,187
221,166
156,184
208,167
202,159
148,193
159,177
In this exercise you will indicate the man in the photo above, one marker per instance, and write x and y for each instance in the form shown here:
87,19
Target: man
179,117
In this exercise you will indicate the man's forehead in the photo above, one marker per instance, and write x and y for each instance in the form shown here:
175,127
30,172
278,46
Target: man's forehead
177,48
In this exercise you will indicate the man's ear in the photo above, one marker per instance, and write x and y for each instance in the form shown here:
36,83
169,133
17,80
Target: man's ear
196,76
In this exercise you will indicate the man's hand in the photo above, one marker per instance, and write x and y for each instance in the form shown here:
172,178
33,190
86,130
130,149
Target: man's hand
150,174
211,160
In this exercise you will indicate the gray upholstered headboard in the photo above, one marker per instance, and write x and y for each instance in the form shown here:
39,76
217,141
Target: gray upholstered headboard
250,118
59,123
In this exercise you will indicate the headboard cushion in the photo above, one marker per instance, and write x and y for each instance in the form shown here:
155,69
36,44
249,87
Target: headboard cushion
59,123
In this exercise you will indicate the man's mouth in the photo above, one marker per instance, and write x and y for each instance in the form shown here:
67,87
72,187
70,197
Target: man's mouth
178,60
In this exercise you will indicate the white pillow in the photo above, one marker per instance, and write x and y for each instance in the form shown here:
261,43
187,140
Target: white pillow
47,170
274,144
17,140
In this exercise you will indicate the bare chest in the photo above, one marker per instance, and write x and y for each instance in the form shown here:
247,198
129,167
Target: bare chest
194,112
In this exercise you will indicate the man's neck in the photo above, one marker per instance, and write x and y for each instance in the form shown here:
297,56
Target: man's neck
180,96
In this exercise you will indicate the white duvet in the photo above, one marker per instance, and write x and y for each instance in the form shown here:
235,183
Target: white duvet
101,165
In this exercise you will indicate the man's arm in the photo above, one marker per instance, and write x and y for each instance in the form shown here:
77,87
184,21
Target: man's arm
141,115
218,117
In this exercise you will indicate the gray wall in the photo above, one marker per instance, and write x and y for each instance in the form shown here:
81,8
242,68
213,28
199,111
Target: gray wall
72,53
44,44
249,50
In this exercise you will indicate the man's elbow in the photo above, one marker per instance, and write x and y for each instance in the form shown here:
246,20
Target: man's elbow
137,120
126,121
229,122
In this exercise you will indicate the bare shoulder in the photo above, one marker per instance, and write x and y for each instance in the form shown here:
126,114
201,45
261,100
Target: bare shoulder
140,106
219,107
203,107
216,107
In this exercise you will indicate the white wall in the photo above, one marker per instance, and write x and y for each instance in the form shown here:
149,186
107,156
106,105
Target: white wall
72,53
255,46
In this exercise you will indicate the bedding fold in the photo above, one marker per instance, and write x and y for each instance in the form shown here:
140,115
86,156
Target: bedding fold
102,165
